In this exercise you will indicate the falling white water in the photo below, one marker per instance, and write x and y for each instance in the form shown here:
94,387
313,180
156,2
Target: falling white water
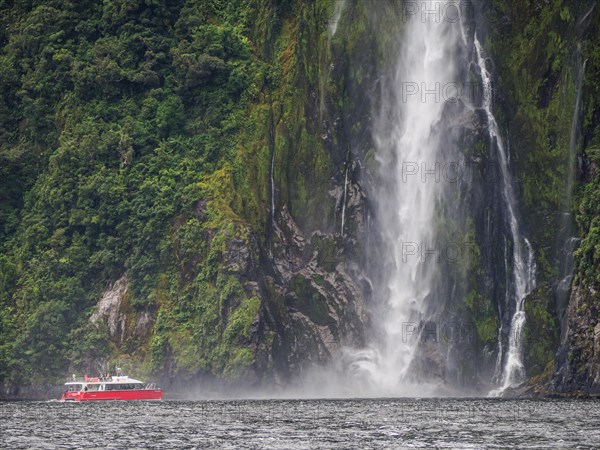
498,368
523,264
409,145
332,25
272,181
569,243
344,201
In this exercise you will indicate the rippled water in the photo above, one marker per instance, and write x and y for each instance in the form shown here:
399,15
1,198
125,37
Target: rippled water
296,424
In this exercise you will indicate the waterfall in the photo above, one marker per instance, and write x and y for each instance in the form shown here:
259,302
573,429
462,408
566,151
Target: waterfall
411,146
523,264
344,200
272,182
416,131
565,235
332,24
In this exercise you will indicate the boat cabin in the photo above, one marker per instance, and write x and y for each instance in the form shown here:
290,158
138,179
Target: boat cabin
120,383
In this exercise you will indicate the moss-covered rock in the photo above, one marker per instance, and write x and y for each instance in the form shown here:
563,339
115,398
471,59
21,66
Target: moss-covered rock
542,331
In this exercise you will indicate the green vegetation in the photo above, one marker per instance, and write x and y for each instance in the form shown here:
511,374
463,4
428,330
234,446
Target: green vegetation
136,139
479,308
587,256
536,79
118,119
541,330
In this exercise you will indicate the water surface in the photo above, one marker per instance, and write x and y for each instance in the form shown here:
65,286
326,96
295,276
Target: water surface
303,424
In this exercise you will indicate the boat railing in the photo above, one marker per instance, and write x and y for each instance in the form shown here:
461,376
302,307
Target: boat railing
87,380
75,380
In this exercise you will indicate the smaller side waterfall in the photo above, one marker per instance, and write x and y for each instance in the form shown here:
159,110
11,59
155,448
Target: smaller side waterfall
566,241
344,200
332,24
272,182
523,268
514,370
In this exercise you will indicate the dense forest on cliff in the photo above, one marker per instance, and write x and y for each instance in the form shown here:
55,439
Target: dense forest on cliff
184,185
118,118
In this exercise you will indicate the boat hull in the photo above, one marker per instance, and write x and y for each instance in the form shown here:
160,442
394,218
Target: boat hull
127,395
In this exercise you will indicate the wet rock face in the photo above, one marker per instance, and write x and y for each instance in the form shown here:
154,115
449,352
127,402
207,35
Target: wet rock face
578,360
109,309
350,202
114,311
596,358
320,306
578,357
238,256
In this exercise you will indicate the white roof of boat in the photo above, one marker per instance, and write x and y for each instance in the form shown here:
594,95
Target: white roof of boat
112,380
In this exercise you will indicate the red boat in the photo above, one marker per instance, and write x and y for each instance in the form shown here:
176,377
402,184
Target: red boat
109,388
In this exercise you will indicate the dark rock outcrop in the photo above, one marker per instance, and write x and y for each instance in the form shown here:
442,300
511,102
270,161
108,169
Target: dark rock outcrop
314,306
578,360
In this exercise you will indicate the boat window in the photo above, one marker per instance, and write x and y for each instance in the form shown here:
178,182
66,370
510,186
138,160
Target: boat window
74,387
124,387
